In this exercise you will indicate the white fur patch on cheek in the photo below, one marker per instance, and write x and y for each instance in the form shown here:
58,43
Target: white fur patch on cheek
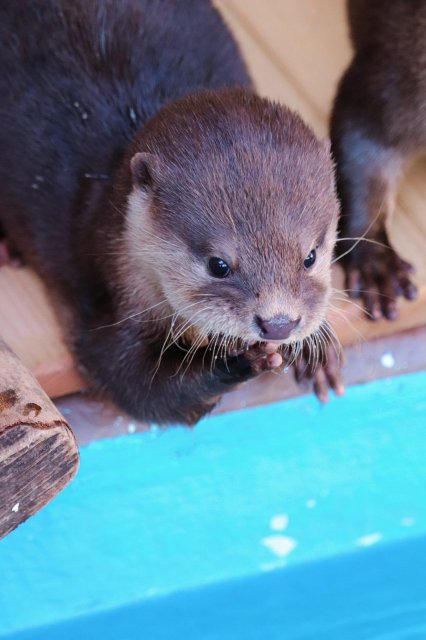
181,275
137,213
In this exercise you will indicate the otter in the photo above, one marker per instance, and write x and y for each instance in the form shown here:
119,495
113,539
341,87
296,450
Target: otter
378,127
184,225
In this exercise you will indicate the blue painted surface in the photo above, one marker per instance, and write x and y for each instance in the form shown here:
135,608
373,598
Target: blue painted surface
168,534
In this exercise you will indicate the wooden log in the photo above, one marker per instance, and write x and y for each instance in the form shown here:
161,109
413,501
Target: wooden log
38,451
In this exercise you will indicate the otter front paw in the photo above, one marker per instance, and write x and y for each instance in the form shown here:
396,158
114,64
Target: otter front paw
377,275
325,373
248,363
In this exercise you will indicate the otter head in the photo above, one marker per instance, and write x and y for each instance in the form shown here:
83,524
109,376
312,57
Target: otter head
232,217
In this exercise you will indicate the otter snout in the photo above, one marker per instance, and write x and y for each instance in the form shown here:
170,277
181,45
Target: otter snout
277,328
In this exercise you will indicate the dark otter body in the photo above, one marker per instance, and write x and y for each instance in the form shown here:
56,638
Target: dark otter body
131,191
78,79
378,127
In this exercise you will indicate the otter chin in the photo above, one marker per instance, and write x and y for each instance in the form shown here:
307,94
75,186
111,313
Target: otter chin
160,199
232,199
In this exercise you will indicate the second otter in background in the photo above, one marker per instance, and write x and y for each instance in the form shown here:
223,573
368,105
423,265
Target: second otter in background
378,127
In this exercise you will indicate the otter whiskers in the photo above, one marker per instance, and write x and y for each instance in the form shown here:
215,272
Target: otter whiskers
339,312
172,338
132,316
361,238
347,300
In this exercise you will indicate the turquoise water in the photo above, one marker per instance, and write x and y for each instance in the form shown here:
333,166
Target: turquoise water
293,520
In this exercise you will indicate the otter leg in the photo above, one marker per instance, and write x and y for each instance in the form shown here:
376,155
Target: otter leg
195,392
367,175
166,388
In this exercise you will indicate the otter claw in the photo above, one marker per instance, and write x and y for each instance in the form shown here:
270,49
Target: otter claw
378,276
249,363
323,376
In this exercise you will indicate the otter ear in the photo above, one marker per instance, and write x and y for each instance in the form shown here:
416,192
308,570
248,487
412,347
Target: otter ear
145,169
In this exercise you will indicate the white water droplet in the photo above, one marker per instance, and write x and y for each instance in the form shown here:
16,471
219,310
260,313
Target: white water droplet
279,545
279,563
279,522
408,521
388,361
369,539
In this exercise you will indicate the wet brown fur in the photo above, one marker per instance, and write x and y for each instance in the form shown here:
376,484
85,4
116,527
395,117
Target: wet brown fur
378,127
134,159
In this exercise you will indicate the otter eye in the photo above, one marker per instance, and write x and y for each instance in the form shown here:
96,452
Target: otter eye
309,261
219,268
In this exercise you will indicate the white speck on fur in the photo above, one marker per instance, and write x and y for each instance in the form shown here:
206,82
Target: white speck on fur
15,507
279,522
368,540
131,427
388,361
281,546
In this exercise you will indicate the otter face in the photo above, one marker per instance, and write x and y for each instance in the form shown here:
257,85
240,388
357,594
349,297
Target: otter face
238,217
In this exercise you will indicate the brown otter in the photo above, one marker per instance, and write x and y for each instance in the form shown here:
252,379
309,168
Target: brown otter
378,126
160,198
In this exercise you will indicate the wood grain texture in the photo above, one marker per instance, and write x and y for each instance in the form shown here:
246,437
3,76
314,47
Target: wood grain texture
296,52
38,451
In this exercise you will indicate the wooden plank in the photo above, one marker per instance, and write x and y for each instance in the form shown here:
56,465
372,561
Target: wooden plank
26,299
408,229
306,41
38,451
269,75
29,326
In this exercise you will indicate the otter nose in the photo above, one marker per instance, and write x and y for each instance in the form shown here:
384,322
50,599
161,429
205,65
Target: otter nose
277,328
